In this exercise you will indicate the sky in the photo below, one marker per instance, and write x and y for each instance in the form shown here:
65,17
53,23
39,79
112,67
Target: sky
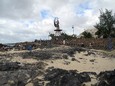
27,20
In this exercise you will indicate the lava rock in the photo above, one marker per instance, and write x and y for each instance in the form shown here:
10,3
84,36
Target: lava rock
38,82
102,83
60,77
92,60
108,76
14,76
85,77
65,56
8,66
73,59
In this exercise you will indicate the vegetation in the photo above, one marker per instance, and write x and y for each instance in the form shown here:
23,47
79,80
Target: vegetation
87,34
64,36
106,26
52,36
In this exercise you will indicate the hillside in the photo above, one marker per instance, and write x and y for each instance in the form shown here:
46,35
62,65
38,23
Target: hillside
92,31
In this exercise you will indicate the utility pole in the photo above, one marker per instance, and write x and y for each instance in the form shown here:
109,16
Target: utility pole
73,30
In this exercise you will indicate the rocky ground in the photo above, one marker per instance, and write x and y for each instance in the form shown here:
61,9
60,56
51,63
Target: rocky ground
57,66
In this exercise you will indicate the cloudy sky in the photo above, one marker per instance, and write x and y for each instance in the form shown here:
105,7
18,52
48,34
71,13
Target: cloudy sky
27,20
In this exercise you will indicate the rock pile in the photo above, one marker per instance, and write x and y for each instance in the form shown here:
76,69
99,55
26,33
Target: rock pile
8,66
4,47
106,78
60,77
41,55
17,74
49,53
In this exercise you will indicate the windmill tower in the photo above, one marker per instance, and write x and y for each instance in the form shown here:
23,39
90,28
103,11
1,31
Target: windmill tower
57,30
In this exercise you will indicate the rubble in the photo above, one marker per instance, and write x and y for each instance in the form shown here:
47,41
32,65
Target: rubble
8,66
14,74
60,77
106,78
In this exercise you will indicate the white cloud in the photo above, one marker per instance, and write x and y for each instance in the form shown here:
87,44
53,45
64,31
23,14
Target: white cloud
26,20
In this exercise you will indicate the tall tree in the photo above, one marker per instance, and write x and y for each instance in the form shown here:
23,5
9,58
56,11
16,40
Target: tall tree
106,25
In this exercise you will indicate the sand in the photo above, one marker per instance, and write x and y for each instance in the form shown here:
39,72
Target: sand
83,63
92,63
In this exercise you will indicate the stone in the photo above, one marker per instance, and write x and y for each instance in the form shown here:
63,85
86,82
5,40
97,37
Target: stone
38,82
66,62
65,56
6,66
92,60
73,59
85,76
60,77
13,75
20,83
106,78
102,83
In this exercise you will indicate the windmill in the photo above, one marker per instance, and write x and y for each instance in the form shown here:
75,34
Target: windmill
57,30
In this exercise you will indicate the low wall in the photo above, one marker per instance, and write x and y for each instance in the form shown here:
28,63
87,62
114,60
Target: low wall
96,43
89,42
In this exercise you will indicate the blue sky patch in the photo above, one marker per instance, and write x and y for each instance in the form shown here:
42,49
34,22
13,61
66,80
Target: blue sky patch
82,7
44,14
85,5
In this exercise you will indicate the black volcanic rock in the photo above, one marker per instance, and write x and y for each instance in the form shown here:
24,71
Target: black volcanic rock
37,55
16,74
60,77
106,78
7,66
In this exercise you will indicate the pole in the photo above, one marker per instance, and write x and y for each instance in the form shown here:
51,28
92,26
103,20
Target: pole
73,30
